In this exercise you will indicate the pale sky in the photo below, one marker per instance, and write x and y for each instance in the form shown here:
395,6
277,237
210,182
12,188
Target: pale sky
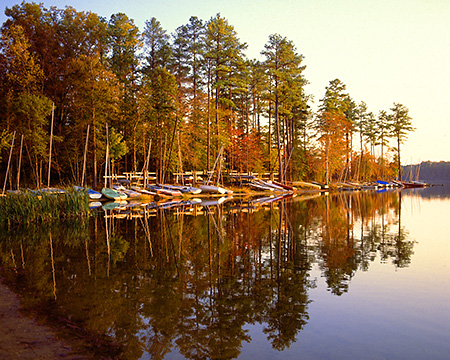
385,51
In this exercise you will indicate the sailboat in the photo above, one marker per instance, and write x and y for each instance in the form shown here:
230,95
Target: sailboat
93,195
215,189
109,192
48,189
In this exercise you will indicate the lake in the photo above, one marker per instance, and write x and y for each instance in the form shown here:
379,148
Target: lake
346,275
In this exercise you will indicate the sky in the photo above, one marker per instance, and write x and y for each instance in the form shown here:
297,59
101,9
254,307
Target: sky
384,51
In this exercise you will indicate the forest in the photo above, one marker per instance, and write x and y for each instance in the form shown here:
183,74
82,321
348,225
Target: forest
427,170
178,100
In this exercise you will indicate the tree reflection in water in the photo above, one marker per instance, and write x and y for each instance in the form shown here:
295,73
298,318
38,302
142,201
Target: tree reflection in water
190,278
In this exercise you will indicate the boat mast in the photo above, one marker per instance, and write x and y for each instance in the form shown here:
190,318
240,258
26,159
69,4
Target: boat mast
106,156
84,157
9,162
20,162
50,150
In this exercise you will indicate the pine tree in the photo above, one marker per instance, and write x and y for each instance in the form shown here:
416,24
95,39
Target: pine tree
124,43
400,126
188,67
383,131
224,51
285,73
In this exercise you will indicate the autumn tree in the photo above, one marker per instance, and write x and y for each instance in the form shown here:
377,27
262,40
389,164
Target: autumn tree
27,109
196,86
333,125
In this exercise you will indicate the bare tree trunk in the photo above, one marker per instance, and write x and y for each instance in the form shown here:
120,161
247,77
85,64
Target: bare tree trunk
269,140
399,162
50,148
277,121
208,142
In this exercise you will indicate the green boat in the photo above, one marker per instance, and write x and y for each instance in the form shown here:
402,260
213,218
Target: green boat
113,194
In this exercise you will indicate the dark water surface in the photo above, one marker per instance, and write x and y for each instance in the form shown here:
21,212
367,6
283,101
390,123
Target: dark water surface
361,275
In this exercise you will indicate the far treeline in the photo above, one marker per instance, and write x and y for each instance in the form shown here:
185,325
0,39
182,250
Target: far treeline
177,100
428,171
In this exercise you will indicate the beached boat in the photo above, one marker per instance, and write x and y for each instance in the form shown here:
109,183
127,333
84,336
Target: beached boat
48,191
412,184
182,189
261,187
51,191
93,195
382,183
143,191
15,192
114,194
130,193
259,184
305,184
284,186
211,189
269,184
163,191
322,186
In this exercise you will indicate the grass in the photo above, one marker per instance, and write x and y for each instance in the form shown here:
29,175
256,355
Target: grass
29,207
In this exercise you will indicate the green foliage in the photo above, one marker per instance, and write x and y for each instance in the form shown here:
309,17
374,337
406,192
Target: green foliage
400,126
156,45
117,146
286,84
31,114
400,122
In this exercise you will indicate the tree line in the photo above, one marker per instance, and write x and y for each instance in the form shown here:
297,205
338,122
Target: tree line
176,101
427,170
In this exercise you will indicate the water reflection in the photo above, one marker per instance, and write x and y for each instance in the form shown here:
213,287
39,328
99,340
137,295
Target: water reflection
189,278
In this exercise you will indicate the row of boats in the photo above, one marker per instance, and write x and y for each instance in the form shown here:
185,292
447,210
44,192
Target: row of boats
120,192
380,184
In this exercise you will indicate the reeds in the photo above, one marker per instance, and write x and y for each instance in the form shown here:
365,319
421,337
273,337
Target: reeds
31,207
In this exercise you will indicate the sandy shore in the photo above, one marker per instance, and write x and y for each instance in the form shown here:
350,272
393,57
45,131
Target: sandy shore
24,338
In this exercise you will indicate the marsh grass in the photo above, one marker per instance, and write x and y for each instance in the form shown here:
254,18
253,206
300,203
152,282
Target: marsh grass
29,207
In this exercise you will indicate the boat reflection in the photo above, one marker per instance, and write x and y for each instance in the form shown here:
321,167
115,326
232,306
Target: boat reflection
187,277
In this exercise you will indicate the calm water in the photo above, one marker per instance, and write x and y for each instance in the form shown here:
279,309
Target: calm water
361,275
